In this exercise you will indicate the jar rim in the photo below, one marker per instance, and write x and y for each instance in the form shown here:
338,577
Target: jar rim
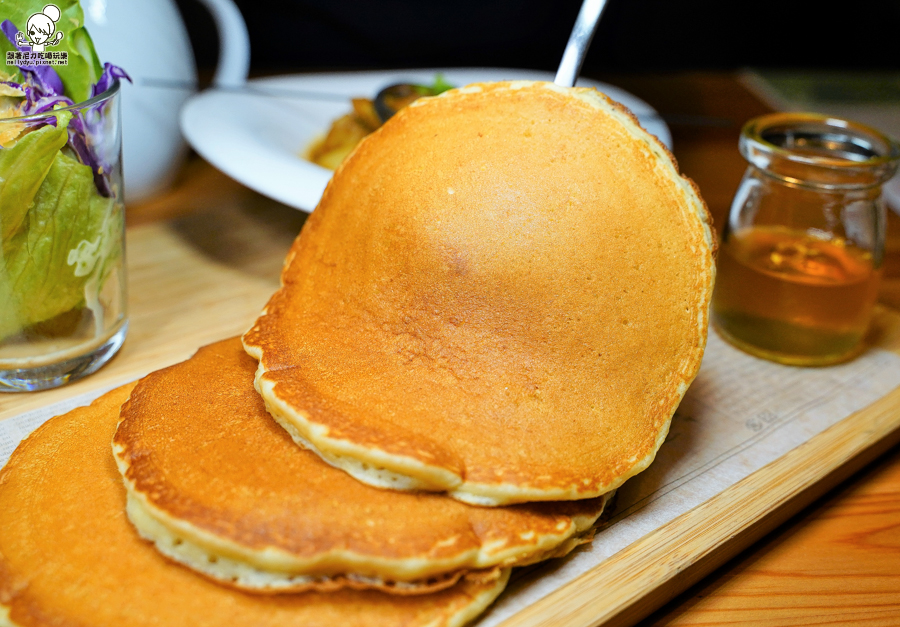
755,132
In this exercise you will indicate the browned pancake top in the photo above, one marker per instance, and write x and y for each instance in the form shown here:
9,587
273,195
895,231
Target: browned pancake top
201,448
506,283
69,558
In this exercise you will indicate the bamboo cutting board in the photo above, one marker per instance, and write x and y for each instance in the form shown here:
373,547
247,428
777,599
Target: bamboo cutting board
205,277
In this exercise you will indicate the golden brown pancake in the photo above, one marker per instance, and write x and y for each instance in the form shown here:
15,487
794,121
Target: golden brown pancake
217,485
503,294
69,558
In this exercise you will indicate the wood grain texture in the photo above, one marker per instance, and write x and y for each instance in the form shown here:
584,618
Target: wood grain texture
834,564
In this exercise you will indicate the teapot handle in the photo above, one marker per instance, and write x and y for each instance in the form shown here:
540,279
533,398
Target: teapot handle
234,43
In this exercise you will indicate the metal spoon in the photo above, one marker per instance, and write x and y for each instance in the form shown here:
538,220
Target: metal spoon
579,42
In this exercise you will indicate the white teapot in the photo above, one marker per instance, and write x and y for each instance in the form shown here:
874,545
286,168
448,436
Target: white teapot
148,39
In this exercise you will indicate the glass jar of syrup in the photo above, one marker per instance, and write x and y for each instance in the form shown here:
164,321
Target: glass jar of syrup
801,254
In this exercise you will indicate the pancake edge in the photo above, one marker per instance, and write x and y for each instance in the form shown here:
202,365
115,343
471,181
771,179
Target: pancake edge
242,576
401,472
478,604
272,570
359,466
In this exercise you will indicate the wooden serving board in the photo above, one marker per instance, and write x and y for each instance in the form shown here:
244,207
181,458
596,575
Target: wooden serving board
204,277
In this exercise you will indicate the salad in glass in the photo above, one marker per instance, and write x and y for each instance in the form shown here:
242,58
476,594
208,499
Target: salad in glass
62,281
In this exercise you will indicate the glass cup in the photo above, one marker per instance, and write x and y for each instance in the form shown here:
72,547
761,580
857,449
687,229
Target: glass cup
62,261
801,254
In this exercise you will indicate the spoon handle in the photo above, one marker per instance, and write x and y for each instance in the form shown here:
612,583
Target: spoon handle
579,42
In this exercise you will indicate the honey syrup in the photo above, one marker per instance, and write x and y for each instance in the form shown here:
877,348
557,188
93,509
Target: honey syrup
792,297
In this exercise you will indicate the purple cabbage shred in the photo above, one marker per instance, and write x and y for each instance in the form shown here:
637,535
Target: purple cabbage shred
111,73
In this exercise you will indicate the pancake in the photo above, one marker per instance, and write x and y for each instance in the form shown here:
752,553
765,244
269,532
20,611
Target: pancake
503,294
69,557
217,485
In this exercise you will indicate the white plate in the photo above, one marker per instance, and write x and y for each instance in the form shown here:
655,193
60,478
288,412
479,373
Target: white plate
256,138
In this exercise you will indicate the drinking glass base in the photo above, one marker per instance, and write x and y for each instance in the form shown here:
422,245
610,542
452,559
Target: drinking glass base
54,375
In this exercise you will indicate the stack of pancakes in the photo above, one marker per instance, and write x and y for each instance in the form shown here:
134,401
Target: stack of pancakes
482,331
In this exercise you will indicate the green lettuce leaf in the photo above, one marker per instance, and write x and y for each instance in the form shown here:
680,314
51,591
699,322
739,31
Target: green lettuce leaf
61,256
84,67
440,85
59,238
23,167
